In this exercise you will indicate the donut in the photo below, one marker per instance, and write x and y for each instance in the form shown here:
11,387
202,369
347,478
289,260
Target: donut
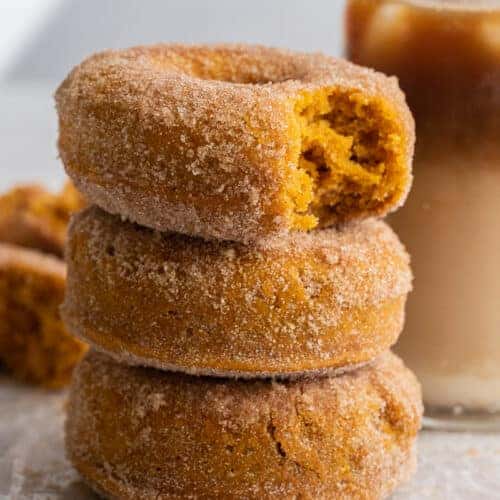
234,142
307,302
138,433
34,344
31,216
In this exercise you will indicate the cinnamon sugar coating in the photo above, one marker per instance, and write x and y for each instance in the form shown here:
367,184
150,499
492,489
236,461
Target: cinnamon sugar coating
31,216
234,142
305,302
34,344
138,433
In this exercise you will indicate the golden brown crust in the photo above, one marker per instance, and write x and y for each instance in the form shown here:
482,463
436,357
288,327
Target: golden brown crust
140,433
206,140
305,302
34,344
32,217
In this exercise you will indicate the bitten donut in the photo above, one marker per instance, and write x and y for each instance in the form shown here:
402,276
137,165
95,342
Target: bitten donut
234,142
34,344
137,433
307,302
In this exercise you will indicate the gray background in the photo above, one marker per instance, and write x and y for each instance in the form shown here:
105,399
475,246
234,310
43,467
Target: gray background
79,27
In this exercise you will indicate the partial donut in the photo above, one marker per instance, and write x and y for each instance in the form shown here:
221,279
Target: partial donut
234,142
34,344
31,216
307,302
137,433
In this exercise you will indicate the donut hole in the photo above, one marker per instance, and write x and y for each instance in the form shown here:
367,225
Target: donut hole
246,79
246,74
351,157
230,67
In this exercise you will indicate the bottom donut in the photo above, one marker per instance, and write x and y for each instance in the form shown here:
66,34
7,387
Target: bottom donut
139,433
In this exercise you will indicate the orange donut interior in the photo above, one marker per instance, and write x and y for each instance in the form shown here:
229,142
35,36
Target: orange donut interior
351,157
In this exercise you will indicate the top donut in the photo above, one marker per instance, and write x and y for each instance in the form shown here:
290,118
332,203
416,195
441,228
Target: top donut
234,142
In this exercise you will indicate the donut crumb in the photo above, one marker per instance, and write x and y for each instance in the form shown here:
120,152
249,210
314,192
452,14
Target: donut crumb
351,158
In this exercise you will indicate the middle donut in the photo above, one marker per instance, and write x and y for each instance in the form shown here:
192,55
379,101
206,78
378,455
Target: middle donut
323,301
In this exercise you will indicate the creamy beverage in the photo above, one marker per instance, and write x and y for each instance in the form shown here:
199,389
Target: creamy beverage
447,57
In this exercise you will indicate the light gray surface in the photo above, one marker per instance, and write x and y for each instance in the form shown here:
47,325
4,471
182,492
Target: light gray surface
32,464
77,28
28,131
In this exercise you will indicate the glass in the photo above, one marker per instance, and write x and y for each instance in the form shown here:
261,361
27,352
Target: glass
447,57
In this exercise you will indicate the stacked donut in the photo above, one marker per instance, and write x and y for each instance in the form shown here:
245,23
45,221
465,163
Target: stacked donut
238,292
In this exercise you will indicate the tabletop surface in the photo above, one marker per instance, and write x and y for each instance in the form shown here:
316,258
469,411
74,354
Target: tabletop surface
452,466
